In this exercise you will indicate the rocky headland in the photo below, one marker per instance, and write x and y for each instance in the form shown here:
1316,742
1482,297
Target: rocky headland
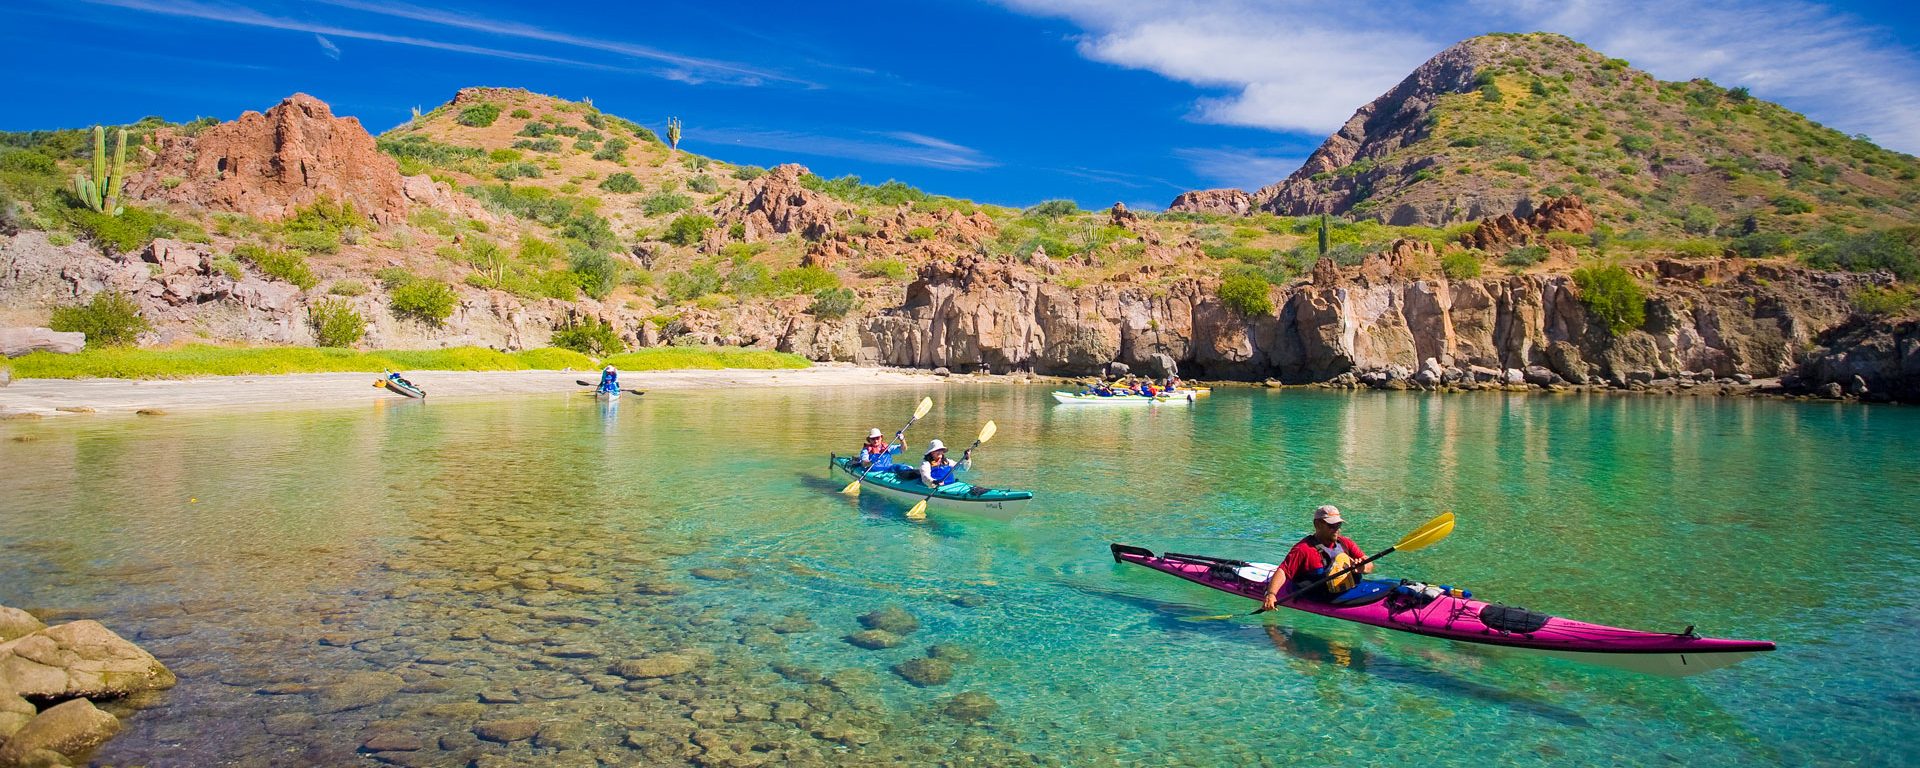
52,677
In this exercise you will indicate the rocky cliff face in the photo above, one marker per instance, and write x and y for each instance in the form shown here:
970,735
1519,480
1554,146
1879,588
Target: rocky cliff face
981,315
268,165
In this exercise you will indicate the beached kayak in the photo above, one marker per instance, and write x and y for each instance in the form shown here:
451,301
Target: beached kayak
401,386
1416,608
952,496
1077,398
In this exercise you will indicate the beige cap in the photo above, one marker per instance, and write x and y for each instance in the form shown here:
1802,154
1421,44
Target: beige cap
1329,513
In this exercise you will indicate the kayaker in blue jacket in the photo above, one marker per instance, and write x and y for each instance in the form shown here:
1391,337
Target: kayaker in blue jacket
936,469
609,379
1312,558
876,454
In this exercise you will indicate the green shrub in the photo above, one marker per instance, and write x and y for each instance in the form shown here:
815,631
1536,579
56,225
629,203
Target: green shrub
597,273
335,323
281,265
59,239
1524,257
1760,245
429,301
479,115
920,234
687,229
1788,205
589,337
427,152
1460,265
1513,167
1613,297
697,281
227,265
809,279
662,203
614,149
1895,250
394,277
314,242
621,183
891,269
1246,293
1636,144
108,320
520,114
133,229
348,288
506,156
1053,209
833,302
559,284
748,172
1892,300
517,170
1699,220
703,184
1491,92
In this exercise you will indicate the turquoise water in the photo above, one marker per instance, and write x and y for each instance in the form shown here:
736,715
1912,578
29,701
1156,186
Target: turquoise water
322,578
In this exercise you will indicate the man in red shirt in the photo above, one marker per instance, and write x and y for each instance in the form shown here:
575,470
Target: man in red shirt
1309,559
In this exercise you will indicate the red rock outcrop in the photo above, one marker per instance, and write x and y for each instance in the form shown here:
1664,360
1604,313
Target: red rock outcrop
1231,202
777,203
268,165
1560,214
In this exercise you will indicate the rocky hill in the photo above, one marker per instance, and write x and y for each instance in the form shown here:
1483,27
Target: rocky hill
509,219
1496,124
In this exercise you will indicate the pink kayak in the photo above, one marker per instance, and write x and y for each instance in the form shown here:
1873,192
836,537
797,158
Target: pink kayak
1415,608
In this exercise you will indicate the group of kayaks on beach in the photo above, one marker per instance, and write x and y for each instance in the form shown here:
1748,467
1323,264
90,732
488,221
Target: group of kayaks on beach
1132,391
1325,572
607,388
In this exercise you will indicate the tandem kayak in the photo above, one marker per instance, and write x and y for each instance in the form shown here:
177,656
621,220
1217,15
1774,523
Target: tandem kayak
952,496
1078,398
1415,608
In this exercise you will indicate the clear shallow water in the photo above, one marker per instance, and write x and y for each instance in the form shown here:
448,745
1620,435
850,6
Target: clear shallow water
322,578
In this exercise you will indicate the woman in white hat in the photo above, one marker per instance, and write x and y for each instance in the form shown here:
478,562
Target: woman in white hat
876,454
936,469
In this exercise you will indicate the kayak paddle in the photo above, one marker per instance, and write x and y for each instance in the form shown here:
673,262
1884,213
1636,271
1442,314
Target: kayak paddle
1426,535
585,383
926,405
919,509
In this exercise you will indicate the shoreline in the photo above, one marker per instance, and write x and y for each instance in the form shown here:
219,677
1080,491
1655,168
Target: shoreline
35,398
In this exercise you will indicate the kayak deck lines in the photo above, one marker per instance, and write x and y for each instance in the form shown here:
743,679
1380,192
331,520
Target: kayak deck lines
1381,603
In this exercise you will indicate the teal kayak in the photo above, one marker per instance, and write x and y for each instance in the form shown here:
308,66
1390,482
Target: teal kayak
952,496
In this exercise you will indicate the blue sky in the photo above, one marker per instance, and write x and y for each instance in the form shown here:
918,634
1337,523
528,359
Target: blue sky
1009,102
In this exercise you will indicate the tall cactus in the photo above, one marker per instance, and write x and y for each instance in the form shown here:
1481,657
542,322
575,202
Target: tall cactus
102,192
673,133
1323,235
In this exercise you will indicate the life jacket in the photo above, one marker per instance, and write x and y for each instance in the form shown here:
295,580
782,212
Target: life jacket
877,460
943,473
609,381
1336,559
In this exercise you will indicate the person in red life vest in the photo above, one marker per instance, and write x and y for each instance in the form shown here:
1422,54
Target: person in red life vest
1324,552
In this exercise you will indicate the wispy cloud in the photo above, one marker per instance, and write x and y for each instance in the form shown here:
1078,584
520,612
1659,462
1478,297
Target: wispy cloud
893,148
251,18
327,47
1306,65
1247,169
683,68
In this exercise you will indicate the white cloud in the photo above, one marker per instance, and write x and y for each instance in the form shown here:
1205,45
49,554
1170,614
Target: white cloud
327,47
895,148
1306,65
1238,168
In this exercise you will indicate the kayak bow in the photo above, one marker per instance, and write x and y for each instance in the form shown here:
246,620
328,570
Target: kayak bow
1389,605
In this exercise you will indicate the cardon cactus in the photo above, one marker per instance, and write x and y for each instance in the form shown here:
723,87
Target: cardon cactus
673,133
102,192
1323,235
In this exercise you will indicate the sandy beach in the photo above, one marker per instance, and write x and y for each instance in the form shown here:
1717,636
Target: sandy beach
57,397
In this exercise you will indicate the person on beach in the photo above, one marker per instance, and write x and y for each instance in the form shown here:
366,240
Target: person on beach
609,379
876,454
1323,552
936,469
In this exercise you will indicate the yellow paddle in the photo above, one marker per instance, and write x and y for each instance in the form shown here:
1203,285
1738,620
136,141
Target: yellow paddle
919,509
926,405
1426,535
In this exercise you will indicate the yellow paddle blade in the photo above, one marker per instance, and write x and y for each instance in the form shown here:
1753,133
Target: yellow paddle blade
918,511
926,404
1435,530
986,432
852,489
378,383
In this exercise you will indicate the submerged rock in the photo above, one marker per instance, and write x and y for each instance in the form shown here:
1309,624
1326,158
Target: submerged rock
949,653
357,691
659,665
874,639
971,707
925,672
893,619
507,731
